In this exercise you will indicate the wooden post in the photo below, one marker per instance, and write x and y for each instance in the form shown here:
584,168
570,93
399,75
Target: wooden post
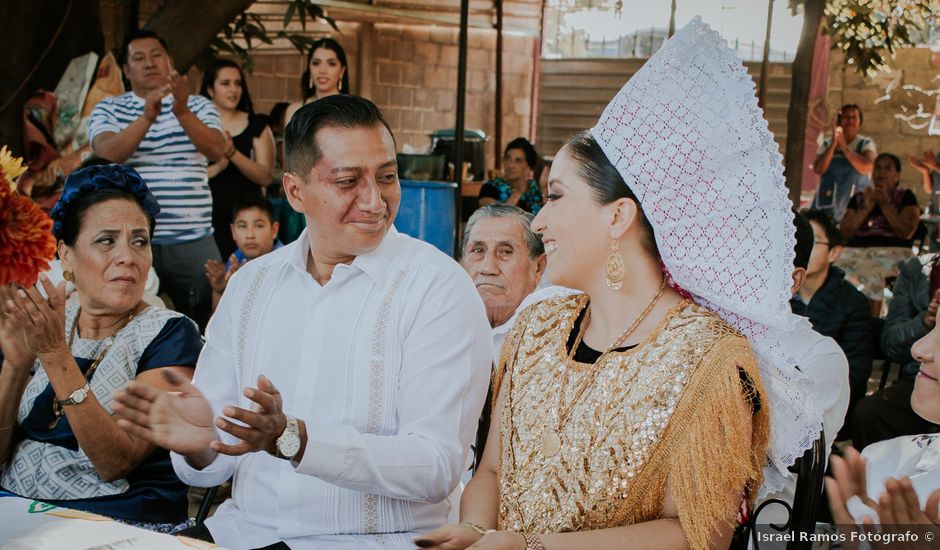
461,110
498,127
798,111
765,62
672,19
365,65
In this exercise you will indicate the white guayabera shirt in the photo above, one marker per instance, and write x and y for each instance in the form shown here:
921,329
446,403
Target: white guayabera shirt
387,364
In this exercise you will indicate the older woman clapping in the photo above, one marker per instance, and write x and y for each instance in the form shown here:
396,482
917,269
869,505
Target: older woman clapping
61,365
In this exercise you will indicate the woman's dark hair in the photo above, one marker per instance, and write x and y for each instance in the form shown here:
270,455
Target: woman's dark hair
847,106
521,143
75,214
894,160
334,46
212,72
544,166
805,240
605,181
276,116
827,223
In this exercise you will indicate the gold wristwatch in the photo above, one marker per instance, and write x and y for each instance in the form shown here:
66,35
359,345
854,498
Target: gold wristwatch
76,397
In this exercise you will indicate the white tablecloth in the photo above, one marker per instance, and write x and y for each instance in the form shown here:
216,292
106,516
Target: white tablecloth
27,524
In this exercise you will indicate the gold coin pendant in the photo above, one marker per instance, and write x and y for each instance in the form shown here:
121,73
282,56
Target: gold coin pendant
551,444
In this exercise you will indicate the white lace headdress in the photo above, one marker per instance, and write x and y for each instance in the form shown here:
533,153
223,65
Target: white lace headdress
688,138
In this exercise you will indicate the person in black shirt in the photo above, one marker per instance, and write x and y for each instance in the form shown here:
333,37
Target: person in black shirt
834,307
885,214
879,227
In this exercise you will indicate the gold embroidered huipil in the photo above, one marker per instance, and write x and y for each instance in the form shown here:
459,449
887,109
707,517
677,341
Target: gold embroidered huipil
670,408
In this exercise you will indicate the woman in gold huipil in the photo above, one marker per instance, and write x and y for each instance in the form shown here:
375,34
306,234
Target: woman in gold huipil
635,414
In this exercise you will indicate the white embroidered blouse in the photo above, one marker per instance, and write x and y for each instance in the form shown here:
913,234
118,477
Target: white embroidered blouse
387,364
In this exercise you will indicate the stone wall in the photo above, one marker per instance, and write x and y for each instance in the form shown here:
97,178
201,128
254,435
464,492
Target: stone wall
909,85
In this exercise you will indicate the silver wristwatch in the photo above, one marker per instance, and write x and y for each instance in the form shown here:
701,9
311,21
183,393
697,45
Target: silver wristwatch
76,396
288,444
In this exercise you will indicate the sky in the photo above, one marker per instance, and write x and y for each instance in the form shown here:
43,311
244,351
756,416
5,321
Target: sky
745,20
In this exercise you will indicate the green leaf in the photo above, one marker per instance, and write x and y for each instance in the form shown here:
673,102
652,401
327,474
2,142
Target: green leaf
289,14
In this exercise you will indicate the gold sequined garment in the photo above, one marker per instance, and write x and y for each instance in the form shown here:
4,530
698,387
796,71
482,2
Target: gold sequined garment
669,408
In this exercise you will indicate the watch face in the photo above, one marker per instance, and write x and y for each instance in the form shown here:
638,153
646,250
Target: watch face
79,395
289,445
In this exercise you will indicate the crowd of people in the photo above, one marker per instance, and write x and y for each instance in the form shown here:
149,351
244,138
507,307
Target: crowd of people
635,348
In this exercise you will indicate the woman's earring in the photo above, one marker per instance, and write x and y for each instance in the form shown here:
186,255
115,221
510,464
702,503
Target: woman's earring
68,276
614,267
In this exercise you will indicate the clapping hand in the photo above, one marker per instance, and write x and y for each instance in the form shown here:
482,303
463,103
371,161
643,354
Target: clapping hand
180,421
868,196
880,196
153,102
260,427
179,86
929,159
16,353
41,320
838,137
925,163
848,480
216,273
899,509
219,274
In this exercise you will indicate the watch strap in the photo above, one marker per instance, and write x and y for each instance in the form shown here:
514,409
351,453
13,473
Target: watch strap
71,399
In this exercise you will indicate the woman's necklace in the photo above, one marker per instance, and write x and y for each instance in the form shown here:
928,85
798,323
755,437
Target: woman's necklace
551,439
56,408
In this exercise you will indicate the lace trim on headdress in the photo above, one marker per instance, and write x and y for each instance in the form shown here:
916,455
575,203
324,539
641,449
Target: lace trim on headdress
688,137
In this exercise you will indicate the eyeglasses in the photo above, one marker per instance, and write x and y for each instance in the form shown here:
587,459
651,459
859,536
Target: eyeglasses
821,242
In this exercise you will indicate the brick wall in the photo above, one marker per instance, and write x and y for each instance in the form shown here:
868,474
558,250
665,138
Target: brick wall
414,77
897,92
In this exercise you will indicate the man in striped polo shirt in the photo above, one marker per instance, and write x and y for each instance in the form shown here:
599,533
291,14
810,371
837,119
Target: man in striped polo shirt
169,137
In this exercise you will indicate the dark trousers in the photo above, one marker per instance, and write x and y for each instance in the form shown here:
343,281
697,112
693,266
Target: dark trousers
201,532
887,414
182,272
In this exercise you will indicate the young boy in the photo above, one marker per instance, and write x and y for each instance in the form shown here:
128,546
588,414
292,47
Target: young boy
835,307
255,232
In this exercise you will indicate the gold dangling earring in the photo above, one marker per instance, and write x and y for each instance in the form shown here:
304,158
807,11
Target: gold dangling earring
614,267
68,276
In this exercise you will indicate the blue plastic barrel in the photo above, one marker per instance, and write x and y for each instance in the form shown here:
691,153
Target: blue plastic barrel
428,212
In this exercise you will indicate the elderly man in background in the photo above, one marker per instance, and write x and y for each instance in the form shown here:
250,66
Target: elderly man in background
505,259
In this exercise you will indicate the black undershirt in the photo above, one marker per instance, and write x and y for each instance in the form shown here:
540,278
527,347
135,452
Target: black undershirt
589,355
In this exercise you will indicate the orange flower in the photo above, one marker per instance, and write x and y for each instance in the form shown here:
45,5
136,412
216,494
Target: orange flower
26,241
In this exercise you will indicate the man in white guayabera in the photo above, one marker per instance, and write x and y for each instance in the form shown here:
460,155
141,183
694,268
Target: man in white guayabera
343,374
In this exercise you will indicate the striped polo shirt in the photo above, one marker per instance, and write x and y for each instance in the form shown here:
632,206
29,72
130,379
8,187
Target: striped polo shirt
167,161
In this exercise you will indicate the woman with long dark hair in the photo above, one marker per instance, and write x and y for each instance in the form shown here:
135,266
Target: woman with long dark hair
327,74
249,151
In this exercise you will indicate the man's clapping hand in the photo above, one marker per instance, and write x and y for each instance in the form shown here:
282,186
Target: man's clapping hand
182,421
179,86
